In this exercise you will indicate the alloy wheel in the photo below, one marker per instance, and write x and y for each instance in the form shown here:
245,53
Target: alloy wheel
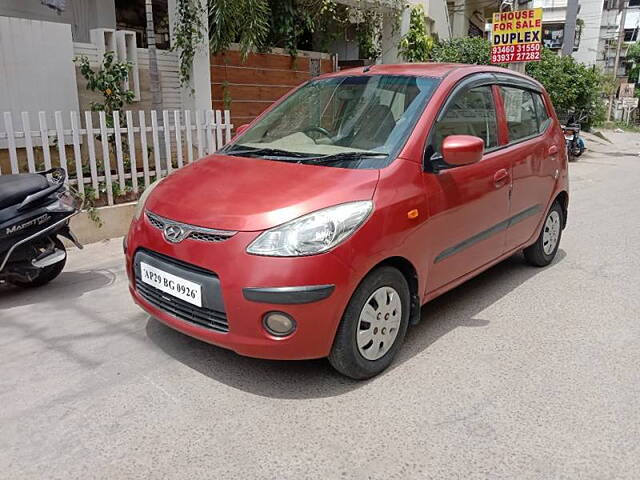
378,323
551,233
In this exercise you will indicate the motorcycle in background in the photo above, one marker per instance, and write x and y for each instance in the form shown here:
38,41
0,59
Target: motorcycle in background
572,127
35,210
575,143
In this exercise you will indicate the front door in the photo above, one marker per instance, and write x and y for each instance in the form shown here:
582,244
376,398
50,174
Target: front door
468,205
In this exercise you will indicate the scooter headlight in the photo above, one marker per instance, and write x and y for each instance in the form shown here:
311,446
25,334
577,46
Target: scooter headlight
313,233
143,199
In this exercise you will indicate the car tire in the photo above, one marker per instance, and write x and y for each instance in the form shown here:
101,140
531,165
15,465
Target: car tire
46,274
383,297
544,250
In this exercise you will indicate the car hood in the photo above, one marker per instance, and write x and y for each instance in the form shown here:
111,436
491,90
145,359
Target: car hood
249,194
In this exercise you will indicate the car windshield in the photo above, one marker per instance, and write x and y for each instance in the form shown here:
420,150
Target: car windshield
349,121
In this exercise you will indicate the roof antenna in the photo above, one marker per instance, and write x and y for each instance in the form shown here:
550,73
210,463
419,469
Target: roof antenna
367,68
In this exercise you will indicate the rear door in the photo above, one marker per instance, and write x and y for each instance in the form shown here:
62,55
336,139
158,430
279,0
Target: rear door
535,157
468,204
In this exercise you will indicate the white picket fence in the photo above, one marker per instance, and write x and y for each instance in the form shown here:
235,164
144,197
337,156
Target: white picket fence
129,154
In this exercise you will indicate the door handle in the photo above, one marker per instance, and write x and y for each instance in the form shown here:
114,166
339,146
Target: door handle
553,149
500,177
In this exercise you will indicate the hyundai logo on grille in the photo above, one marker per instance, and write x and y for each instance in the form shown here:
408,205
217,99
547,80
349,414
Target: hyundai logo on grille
174,233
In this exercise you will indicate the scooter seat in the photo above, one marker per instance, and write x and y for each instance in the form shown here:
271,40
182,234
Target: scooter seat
15,188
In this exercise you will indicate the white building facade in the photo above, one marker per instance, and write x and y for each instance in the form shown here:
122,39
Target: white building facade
610,30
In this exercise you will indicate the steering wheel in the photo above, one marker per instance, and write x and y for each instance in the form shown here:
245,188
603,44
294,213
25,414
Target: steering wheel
321,130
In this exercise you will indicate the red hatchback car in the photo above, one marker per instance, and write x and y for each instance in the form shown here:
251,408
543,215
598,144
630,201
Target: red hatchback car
325,225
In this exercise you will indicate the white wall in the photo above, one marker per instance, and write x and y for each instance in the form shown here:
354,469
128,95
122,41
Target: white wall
82,15
632,20
168,66
439,18
36,68
591,14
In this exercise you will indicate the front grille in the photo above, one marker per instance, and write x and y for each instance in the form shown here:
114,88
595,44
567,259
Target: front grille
201,316
207,237
155,222
191,231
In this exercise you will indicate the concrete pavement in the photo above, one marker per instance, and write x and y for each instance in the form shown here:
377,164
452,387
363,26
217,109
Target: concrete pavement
520,373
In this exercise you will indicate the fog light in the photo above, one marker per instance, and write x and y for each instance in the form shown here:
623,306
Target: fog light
279,324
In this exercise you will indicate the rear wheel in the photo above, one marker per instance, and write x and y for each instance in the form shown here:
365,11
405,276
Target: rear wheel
542,253
373,326
47,273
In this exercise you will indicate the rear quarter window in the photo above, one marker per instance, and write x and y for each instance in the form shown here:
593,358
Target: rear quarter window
520,111
544,120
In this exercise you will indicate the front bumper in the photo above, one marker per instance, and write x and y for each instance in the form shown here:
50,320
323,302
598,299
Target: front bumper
314,290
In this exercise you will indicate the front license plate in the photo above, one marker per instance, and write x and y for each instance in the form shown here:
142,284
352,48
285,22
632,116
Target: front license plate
173,285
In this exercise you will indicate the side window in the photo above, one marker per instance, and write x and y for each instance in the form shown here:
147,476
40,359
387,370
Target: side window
471,113
520,111
541,111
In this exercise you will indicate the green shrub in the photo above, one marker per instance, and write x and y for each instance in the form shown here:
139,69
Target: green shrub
474,50
571,85
416,44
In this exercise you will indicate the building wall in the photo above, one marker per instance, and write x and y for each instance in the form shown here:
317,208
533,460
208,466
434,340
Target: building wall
609,30
554,11
591,15
168,66
36,68
438,18
466,15
248,87
82,15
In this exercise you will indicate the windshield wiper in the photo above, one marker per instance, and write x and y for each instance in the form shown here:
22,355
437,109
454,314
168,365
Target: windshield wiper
267,151
345,156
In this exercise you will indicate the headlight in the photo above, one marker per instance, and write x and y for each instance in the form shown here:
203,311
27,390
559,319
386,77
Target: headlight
143,199
314,233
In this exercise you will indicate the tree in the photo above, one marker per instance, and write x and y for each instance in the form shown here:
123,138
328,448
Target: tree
107,80
242,21
633,57
261,24
416,44
474,50
571,85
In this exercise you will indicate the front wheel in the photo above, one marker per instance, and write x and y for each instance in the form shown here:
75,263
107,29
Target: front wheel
373,326
542,253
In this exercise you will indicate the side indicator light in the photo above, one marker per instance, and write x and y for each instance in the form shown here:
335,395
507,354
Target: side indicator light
411,214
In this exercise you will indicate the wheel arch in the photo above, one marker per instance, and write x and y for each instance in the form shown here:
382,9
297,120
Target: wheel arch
563,199
410,273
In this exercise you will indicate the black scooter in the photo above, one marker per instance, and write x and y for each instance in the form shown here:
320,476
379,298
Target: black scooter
35,209
575,143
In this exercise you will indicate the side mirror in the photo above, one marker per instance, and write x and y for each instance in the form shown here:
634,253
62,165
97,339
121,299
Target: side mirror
460,150
240,130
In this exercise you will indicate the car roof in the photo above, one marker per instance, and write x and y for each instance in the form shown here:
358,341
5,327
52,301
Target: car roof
429,69
432,70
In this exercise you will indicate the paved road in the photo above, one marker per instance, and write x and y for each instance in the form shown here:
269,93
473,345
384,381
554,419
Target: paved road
520,373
